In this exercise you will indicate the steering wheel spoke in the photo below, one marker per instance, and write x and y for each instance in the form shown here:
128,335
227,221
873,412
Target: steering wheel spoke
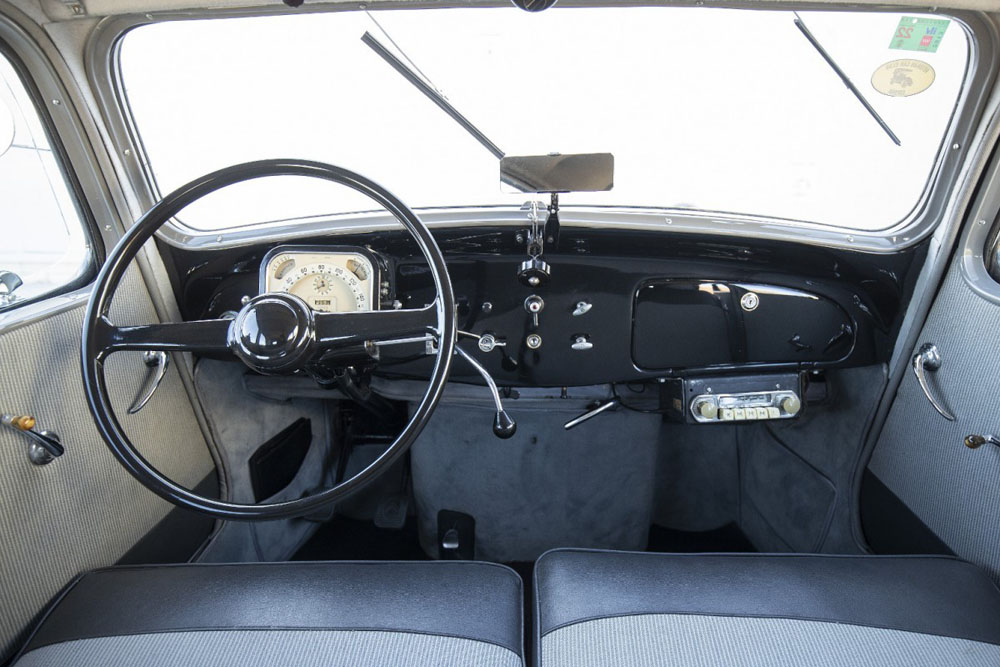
207,337
337,330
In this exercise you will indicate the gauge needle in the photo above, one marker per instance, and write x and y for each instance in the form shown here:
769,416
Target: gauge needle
843,76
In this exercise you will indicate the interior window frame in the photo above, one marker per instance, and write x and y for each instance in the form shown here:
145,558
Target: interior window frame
103,51
85,215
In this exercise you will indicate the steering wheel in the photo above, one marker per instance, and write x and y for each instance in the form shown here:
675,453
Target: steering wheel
271,334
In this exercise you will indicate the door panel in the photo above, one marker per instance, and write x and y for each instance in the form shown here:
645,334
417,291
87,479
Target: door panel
82,510
920,456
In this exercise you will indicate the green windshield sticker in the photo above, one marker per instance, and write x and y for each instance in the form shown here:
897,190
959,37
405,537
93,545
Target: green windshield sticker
915,34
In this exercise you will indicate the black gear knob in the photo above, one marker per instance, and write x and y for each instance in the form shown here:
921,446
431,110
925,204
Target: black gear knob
503,425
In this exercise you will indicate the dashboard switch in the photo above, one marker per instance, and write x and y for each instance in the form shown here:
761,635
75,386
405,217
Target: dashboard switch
533,341
488,342
534,304
582,342
582,308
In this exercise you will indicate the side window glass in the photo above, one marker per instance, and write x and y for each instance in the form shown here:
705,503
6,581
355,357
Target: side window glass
44,245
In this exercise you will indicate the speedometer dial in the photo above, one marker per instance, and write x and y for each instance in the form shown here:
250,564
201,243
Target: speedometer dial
329,281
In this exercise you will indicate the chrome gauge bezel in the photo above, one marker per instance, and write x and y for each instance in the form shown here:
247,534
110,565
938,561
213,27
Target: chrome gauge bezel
335,253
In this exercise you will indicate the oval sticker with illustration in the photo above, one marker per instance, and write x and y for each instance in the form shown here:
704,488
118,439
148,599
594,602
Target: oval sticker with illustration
902,78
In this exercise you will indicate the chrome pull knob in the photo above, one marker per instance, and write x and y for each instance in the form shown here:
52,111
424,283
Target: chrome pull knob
974,441
581,343
928,359
582,308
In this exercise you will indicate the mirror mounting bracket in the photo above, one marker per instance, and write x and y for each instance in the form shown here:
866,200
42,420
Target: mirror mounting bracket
552,223
534,271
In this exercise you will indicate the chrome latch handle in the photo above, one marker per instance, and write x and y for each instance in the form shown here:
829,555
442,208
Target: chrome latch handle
157,363
928,360
9,281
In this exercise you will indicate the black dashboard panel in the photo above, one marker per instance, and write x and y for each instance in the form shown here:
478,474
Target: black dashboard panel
818,307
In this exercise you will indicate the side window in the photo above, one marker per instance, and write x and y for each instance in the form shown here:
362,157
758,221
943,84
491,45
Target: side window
44,245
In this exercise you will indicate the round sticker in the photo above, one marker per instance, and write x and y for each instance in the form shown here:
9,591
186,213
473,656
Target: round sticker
902,78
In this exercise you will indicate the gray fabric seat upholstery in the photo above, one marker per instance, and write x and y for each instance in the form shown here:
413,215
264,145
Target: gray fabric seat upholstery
631,609
303,614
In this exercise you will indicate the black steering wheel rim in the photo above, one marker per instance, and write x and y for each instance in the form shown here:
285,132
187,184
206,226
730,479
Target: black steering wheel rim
96,336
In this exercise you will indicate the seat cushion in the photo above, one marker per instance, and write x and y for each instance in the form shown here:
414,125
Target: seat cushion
339,613
599,608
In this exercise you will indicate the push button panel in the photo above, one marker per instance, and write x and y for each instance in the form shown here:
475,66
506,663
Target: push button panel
745,406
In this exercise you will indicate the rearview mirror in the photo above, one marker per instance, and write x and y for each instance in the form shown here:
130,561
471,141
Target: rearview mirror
582,172
6,128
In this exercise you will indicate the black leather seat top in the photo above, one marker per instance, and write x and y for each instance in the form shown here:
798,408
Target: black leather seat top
471,602
593,606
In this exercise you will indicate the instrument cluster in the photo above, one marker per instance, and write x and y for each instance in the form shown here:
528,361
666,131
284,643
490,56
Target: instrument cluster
329,279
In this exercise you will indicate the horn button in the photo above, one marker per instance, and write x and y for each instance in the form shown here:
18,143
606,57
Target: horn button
274,333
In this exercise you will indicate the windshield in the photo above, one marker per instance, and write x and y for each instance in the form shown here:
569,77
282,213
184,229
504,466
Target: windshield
707,109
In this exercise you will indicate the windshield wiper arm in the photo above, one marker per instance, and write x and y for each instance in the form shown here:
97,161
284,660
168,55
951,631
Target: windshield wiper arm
843,76
432,94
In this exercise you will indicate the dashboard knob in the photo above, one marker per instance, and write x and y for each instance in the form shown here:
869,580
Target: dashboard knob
533,341
503,425
534,272
582,342
791,404
707,408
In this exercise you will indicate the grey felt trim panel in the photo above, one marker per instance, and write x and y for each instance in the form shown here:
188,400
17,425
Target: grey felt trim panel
83,510
545,487
796,475
272,648
925,594
920,456
478,601
707,641
241,422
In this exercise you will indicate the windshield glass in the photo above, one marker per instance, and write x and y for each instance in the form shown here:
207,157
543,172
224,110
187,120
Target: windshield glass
707,109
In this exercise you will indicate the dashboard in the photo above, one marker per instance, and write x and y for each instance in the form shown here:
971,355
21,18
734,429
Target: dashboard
616,306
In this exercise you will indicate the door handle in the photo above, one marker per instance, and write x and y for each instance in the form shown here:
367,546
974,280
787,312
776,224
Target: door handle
157,363
928,360
9,281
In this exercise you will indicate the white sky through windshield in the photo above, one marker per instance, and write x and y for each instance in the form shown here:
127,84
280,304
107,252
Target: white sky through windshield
710,109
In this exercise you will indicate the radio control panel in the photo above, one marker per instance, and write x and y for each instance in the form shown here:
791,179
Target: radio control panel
733,399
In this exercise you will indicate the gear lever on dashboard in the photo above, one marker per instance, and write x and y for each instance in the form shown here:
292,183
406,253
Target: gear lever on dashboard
504,425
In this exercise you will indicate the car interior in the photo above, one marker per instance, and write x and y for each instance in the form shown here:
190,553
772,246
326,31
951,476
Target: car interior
499,333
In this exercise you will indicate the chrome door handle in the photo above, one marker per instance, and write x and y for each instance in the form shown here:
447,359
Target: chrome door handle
928,359
9,281
157,363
